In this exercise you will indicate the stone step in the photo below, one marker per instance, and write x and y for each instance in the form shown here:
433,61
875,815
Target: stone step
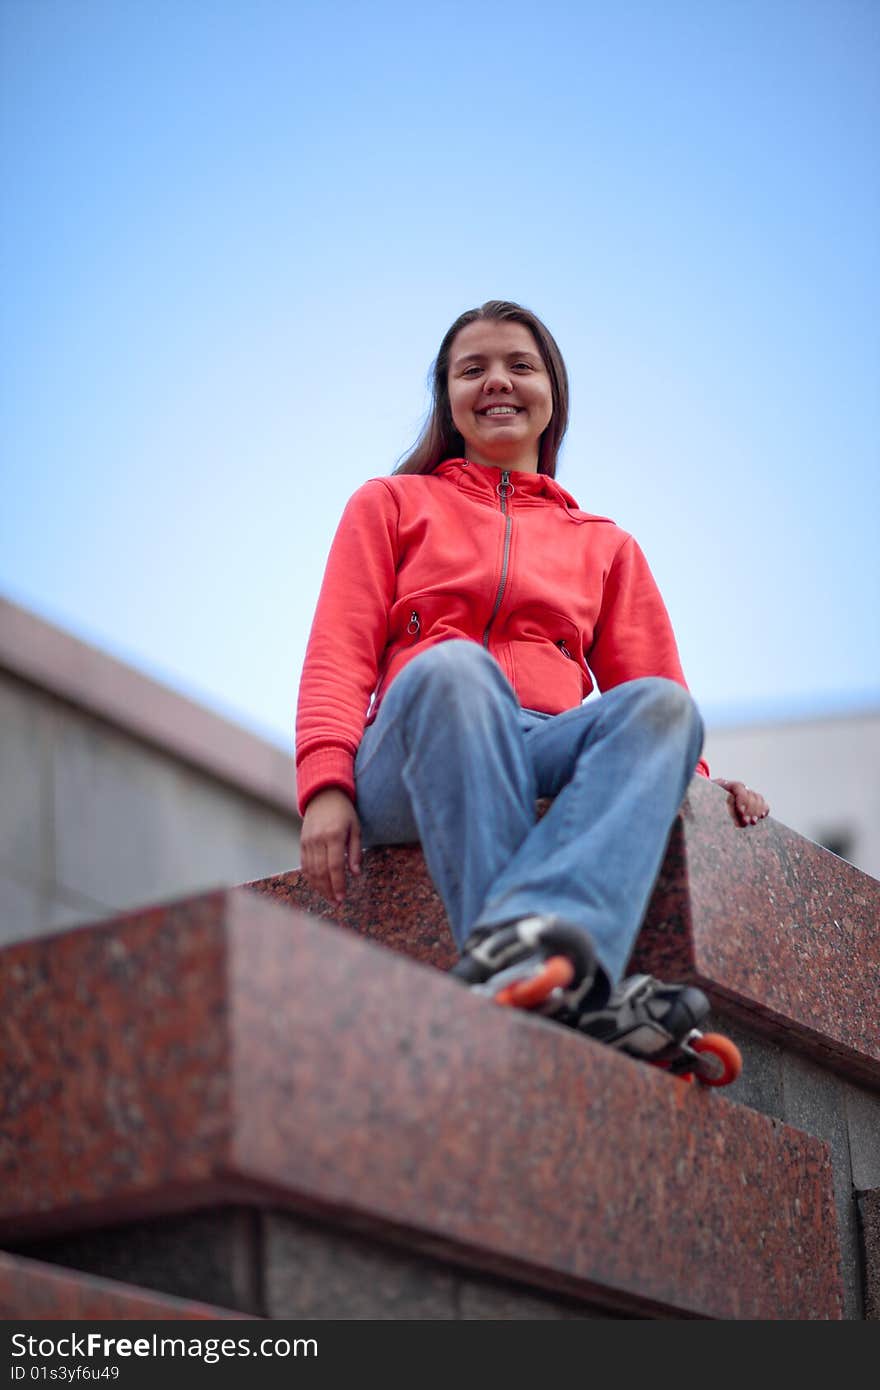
228,1051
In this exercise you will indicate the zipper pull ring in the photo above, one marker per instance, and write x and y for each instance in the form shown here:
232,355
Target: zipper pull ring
413,626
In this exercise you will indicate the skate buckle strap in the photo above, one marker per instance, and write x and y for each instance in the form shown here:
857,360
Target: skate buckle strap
538,962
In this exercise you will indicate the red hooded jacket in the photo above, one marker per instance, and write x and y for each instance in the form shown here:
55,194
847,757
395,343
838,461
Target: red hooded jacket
504,559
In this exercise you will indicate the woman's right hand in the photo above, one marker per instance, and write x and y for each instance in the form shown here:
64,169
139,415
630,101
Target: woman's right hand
331,833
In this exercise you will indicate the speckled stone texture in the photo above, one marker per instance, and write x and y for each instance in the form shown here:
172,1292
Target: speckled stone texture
33,1291
779,931
312,1271
227,1050
869,1218
213,1256
278,1264
392,901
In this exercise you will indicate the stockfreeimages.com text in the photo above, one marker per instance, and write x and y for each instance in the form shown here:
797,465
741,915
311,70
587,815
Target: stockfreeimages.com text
209,1350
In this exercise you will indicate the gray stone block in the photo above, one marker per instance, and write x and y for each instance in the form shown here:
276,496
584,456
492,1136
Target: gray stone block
869,1228
29,908
108,814
489,1301
759,1085
25,734
66,910
316,1271
208,1256
22,908
814,1100
863,1120
133,827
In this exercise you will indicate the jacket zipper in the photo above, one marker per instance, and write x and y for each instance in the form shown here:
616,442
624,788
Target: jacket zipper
564,649
503,488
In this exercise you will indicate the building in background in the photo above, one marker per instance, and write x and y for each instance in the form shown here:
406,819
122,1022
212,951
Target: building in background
117,792
821,776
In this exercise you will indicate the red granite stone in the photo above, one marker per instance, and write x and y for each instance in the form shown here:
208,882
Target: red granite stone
33,1291
393,901
782,933
226,1049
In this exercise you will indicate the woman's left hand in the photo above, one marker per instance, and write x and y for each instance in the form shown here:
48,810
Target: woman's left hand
750,805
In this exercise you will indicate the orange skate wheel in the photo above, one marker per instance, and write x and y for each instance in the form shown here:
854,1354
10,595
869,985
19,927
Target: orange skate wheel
556,973
727,1054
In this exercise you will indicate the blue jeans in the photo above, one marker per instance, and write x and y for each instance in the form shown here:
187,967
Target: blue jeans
454,762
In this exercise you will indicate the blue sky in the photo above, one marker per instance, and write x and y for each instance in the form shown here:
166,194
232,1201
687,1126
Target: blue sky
233,235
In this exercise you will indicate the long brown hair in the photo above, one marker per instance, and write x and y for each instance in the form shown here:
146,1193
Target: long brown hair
440,439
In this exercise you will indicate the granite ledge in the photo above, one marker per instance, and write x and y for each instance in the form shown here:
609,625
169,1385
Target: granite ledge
780,933
233,1048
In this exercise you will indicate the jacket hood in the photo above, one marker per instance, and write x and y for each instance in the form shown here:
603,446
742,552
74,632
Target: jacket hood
482,481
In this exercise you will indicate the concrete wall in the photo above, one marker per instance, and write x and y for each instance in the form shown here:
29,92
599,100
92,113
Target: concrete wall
92,821
116,791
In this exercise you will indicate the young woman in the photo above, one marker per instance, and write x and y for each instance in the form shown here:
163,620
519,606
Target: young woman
467,606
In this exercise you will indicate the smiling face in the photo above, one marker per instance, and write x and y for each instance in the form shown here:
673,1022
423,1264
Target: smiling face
499,393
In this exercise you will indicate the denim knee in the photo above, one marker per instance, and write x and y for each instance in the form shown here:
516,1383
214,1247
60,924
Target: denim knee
452,666
459,682
666,704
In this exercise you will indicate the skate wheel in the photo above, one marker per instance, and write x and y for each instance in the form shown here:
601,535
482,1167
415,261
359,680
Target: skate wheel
728,1059
556,973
